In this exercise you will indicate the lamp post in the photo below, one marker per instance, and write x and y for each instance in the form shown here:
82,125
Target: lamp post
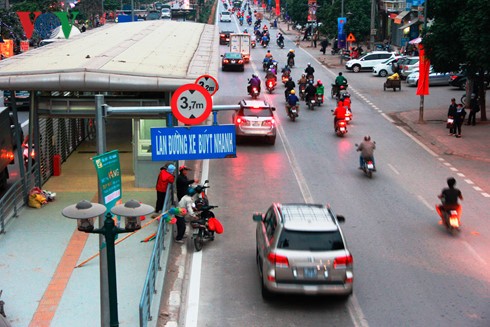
85,213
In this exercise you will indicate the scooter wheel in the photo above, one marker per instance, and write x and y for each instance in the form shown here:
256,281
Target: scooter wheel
198,241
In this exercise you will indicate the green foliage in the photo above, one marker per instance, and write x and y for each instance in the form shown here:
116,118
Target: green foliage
358,21
297,10
112,5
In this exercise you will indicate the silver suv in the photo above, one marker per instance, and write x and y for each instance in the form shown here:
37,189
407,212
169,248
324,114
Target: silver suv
301,250
255,118
368,61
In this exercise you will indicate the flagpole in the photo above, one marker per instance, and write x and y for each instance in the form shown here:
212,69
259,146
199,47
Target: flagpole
421,108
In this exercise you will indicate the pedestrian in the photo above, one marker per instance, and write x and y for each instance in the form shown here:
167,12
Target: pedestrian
395,67
183,182
187,202
474,108
459,119
451,113
305,36
324,45
315,37
165,178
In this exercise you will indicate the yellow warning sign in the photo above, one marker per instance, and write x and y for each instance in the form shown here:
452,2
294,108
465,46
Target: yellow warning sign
351,38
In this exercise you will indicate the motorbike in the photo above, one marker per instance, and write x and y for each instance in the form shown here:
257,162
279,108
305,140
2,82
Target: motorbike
335,91
335,51
249,23
265,65
285,78
340,127
254,92
302,92
280,44
450,220
201,190
368,166
310,77
319,99
241,22
291,62
201,231
2,304
293,112
253,43
264,43
25,154
270,84
348,115
311,102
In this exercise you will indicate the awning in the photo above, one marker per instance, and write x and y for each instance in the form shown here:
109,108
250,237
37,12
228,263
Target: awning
410,23
400,16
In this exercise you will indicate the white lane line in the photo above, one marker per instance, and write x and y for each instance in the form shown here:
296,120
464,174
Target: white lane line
356,313
476,188
453,168
460,174
486,195
427,204
469,181
447,164
385,116
192,309
394,169
474,252
413,138
440,159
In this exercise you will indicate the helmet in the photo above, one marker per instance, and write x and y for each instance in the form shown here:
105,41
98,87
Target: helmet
346,95
199,203
245,31
303,75
291,50
191,191
308,64
268,51
367,138
292,92
171,168
319,81
451,182
254,76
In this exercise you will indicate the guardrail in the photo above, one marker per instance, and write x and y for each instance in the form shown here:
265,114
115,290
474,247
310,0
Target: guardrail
15,198
154,267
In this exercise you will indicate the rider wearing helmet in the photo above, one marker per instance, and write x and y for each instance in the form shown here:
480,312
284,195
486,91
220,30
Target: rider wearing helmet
310,91
290,85
309,71
339,114
367,151
346,99
320,89
449,197
291,56
292,100
253,82
270,75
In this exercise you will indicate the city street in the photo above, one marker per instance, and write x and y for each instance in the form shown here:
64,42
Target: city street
408,270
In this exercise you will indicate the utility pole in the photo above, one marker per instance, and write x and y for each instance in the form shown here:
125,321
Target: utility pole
371,33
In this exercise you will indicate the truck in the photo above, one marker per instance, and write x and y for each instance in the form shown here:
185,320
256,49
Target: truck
240,42
6,146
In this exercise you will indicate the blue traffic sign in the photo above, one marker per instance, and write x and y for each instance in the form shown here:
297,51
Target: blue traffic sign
190,143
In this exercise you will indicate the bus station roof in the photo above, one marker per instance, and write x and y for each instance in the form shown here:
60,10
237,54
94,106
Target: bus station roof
148,56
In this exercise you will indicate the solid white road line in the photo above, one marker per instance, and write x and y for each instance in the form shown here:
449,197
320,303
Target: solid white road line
394,169
427,204
414,139
474,252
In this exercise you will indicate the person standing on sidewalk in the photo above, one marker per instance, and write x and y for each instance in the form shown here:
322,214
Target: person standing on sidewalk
474,108
316,35
451,113
183,182
459,119
324,45
164,178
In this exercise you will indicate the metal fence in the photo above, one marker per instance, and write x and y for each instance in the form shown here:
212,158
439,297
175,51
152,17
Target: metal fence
149,288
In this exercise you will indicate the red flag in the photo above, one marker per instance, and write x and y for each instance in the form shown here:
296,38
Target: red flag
424,66
278,8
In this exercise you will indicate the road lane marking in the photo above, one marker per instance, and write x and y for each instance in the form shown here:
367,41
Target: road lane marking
357,316
469,181
453,169
460,174
476,188
486,195
474,252
447,164
414,139
394,169
427,204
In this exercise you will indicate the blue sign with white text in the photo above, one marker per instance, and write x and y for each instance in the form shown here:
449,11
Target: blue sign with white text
190,143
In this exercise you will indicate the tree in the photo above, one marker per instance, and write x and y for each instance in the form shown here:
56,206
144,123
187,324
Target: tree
459,41
297,10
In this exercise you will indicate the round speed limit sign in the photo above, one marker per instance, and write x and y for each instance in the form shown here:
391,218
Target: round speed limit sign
208,82
191,104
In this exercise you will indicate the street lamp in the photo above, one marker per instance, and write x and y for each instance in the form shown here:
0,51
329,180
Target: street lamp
85,212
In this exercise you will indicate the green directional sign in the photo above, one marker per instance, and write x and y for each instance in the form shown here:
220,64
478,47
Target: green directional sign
109,175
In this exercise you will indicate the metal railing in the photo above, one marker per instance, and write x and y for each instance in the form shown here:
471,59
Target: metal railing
149,289
15,198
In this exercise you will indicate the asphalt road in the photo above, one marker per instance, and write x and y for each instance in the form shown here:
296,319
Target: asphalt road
408,270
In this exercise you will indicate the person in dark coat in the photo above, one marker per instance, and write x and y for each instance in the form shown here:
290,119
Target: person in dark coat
474,108
459,119
324,45
451,113
183,182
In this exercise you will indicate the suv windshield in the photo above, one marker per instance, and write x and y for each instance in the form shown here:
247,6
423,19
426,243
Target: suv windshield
310,241
259,112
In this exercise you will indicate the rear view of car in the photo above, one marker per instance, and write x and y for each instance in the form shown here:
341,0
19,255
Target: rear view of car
409,66
166,13
301,250
255,119
225,16
233,61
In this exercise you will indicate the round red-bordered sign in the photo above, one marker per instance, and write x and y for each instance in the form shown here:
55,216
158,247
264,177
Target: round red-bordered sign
208,82
191,104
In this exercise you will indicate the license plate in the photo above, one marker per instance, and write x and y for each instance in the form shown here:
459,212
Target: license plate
233,61
256,123
453,221
310,272
370,166
342,129
293,111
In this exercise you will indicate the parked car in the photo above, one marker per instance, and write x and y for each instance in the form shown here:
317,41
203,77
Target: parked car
153,15
232,60
411,65
385,68
166,13
255,118
300,249
224,37
368,61
459,80
434,78
225,16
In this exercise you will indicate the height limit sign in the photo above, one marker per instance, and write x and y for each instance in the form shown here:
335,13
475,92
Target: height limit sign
191,104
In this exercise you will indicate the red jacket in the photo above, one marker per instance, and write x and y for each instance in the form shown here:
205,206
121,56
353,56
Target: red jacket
339,112
163,179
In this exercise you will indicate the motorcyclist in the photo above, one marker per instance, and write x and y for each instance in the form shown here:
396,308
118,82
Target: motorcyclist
309,71
270,75
292,100
320,89
367,151
291,56
302,82
253,82
186,202
249,19
241,19
347,100
265,39
449,197
340,80
280,38
290,85
310,91
286,70
268,54
339,114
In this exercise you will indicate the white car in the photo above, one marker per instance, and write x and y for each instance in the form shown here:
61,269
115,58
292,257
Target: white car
166,13
368,61
225,16
384,69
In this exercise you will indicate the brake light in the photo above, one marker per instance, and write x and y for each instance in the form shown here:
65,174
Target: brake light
239,120
453,77
222,35
342,262
226,61
342,123
278,260
240,61
269,122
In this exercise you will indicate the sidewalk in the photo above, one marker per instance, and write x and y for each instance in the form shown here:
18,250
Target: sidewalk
38,253
472,151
